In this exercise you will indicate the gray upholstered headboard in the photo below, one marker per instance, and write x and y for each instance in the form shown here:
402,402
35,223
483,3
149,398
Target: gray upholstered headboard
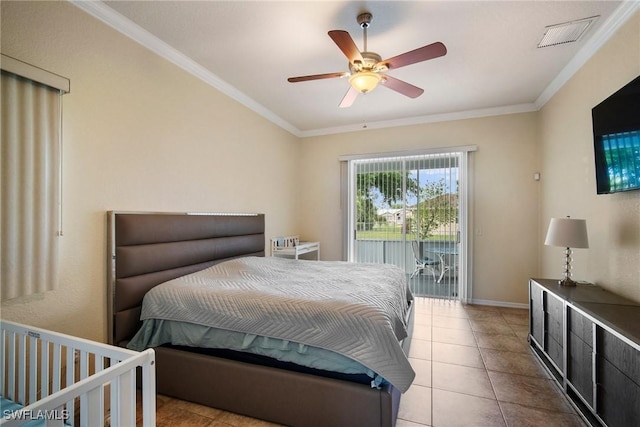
146,249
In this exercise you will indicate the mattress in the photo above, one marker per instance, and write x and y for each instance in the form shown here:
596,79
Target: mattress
354,310
154,333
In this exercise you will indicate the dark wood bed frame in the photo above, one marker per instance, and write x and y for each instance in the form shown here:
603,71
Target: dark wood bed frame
146,249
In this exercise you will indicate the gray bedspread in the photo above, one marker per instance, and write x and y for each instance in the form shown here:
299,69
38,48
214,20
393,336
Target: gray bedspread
356,310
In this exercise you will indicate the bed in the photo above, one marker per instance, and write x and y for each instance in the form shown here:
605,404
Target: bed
55,379
148,249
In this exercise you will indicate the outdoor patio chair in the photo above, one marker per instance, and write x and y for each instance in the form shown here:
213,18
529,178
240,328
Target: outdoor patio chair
423,262
448,266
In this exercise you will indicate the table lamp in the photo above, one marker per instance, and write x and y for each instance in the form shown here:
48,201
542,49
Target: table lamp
567,233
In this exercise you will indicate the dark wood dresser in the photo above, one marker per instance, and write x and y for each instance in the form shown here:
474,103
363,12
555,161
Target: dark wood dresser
589,339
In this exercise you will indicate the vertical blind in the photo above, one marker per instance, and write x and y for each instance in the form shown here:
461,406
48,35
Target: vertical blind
412,198
30,186
402,202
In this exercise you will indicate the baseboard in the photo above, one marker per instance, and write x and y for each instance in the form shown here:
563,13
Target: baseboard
499,303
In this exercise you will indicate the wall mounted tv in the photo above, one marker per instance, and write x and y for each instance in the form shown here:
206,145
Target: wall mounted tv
616,139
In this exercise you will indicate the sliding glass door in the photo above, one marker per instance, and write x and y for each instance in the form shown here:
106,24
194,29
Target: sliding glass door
410,211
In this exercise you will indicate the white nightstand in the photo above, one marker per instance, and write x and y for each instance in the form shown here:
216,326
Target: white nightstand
291,246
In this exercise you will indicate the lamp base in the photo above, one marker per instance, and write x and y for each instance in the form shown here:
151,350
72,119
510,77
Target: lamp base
567,282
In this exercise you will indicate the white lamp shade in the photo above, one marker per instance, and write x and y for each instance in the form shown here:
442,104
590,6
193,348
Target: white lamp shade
567,233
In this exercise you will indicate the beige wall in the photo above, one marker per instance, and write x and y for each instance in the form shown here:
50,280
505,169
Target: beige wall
139,134
613,221
506,197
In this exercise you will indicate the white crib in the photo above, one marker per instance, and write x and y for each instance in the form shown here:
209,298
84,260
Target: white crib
63,380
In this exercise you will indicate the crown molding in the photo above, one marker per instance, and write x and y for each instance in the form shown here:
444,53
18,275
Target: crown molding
130,29
418,120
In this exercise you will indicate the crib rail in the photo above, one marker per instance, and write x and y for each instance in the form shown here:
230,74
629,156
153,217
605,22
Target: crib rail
67,380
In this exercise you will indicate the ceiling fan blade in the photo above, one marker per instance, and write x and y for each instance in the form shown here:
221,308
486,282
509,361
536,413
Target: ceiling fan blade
401,87
424,53
346,45
348,98
317,77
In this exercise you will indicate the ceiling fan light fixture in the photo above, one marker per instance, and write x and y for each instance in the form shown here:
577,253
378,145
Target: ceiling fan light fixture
364,81
367,69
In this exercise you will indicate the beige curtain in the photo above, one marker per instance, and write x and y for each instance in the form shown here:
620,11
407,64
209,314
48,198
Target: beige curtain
30,181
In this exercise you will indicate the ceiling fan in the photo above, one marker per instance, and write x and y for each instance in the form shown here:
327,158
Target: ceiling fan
367,69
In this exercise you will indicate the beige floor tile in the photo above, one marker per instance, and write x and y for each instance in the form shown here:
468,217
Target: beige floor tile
422,304
422,368
195,408
492,326
462,379
513,310
420,349
502,342
450,322
415,405
170,411
405,423
449,312
517,318
422,332
456,409
521,331
529,391
478,307
423,319
187,419
495,316
512,362
453,336
456,354
524,416
237,420
214,423
175,414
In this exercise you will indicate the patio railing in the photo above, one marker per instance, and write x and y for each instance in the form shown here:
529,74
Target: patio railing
399,253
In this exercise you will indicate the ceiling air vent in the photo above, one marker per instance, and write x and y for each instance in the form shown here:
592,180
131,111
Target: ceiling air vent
567,32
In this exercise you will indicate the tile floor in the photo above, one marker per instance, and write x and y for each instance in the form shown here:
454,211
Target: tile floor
473,368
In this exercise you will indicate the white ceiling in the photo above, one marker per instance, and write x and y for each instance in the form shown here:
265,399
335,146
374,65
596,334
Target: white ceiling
248,49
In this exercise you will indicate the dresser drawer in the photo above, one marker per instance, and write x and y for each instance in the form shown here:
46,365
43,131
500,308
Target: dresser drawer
580,367
580,325
618,396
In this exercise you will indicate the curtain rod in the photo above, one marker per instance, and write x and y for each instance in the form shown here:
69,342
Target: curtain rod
34,73
408,153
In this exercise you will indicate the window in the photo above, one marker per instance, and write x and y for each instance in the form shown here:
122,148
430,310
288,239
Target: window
30,170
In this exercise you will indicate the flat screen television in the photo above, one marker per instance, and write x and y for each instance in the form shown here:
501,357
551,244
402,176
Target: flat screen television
616,140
